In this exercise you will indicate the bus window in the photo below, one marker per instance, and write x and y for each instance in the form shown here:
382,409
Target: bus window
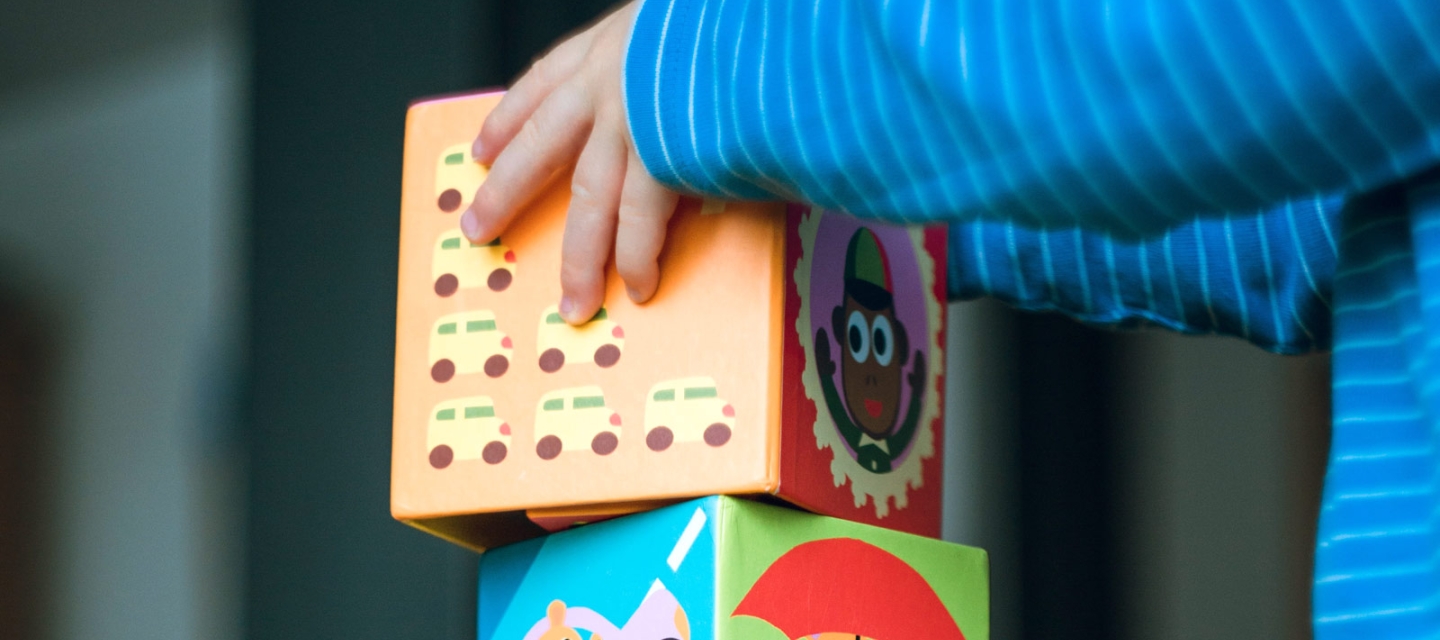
664,395
553,404
479,325
587,402
455,158
479,412
692,393
446,329
456,243
555,318
446,414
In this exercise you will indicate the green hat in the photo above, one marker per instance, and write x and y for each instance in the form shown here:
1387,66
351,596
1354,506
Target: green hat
867,271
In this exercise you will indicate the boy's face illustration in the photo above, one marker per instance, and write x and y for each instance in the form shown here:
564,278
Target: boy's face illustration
871,368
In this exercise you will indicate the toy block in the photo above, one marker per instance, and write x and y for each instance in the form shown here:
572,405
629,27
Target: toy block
789,351
720,568
562,518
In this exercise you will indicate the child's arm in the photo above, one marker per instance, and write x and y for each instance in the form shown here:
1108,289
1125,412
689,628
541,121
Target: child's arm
568,108
1130,116
1127,121
1265,276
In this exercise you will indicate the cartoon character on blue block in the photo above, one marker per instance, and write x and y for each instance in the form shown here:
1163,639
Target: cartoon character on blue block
556,625
659,617
579,584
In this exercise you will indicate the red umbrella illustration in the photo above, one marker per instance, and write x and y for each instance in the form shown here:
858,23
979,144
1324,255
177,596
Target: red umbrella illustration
846,586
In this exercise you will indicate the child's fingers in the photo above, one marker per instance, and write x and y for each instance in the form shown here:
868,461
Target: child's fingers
528,93
590,226
547,141
645,210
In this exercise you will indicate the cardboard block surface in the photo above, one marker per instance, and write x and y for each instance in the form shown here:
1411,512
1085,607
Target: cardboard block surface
788,351
720,568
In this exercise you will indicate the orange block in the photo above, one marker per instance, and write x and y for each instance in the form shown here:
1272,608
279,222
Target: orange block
788,351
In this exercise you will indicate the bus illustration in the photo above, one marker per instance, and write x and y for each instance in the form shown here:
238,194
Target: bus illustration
457,177
687,410
575,419
461,264
468,342
600,340
466,429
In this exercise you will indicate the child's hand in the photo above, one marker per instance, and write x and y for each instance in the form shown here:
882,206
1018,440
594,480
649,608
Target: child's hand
570,103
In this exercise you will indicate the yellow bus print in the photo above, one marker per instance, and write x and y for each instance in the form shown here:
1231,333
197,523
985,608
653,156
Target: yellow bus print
461,264
687,410
466,429
600,340
466,343
457,177
575,419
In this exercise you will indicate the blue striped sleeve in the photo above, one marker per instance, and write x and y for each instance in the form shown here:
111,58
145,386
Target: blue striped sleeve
1377,563
1129,116
1265,277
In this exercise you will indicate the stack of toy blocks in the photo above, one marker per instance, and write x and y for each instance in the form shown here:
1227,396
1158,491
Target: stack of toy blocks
790,355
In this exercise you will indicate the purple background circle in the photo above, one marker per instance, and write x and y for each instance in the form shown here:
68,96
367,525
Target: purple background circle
827,289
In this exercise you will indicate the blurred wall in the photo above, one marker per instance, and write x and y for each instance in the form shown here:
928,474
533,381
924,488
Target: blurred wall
1219,462
982,452
23,369
1136,484
119,167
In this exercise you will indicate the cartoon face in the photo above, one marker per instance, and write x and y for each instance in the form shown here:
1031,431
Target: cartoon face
871,370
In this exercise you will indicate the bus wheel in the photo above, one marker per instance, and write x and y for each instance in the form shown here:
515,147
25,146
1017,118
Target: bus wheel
494,452
443,370
717,434
441,456
449,200
604,443
551,360
607,355
548,447
496,365
446,285
659,438
499,279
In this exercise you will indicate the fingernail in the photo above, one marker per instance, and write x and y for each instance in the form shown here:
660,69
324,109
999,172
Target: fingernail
470,224
634,295
567,307
477,150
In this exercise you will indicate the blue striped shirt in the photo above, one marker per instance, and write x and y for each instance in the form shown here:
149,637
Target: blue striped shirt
1258,169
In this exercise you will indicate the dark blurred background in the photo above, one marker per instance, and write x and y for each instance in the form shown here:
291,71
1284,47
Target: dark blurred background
198,230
